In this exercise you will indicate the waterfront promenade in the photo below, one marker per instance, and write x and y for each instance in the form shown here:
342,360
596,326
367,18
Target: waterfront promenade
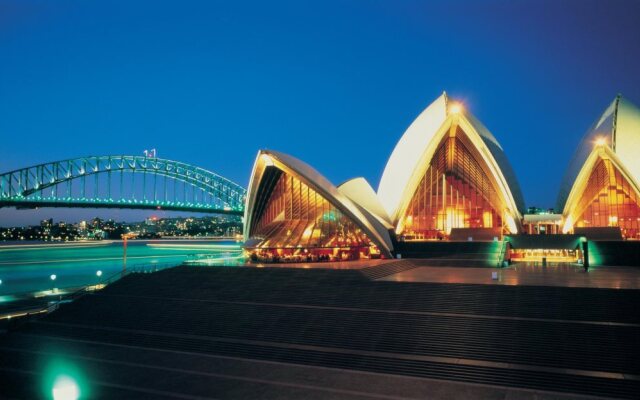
331,332
523,274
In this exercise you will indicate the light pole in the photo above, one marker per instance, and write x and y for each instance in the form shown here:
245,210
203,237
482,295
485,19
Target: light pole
124,256
99,275
53,279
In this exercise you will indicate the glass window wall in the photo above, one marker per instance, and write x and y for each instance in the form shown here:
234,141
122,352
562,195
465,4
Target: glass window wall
297,219
609,200
455,192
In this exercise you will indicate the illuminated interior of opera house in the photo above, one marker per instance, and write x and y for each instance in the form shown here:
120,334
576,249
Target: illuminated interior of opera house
448,172
608,200
295,215
601,185
454,192
299,223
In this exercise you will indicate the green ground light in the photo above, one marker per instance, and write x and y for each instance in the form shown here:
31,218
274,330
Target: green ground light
64,381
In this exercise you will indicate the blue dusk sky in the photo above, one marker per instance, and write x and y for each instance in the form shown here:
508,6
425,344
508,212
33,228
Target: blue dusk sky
333,83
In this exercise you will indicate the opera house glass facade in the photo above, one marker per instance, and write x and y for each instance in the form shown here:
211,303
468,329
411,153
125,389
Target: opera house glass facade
295,214
600,187
454,192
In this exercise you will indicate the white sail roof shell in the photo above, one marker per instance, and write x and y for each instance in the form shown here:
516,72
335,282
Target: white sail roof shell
600,152
361,193
619,129
418,141
408,152
302,171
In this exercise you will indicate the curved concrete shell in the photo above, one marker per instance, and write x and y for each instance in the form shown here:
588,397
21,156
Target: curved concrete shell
618,128
603,179
424,140
323,207
600,187
361,193
407,154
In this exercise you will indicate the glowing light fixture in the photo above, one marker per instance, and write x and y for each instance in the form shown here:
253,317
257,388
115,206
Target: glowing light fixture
63,380
511,224
99,273
601,141
53,277
267,160
568,225
455,108
65,388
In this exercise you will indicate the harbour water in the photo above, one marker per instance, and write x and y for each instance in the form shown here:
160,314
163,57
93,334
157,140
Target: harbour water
28,267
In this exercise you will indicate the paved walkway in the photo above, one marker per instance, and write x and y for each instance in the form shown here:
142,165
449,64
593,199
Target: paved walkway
526,275
518,274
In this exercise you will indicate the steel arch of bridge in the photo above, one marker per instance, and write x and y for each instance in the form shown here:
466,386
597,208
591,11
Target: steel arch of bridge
25,188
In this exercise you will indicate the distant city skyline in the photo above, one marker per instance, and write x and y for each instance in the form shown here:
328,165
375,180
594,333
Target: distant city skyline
335,84
75,215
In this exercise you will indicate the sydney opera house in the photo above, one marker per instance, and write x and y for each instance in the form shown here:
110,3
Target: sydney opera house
600,187
448,179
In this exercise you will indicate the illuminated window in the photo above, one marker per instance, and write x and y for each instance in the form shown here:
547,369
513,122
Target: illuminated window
291,215
609,200
455,192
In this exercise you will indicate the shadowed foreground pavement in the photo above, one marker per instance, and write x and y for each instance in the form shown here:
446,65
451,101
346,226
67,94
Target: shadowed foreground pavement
239,333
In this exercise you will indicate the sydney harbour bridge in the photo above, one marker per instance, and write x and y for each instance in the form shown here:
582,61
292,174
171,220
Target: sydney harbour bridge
134,182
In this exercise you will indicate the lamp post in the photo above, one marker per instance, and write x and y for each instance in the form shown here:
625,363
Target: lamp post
585,253
124,256
99,275
53,279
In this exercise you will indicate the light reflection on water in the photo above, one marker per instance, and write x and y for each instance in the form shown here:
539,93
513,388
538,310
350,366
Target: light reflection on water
27,268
